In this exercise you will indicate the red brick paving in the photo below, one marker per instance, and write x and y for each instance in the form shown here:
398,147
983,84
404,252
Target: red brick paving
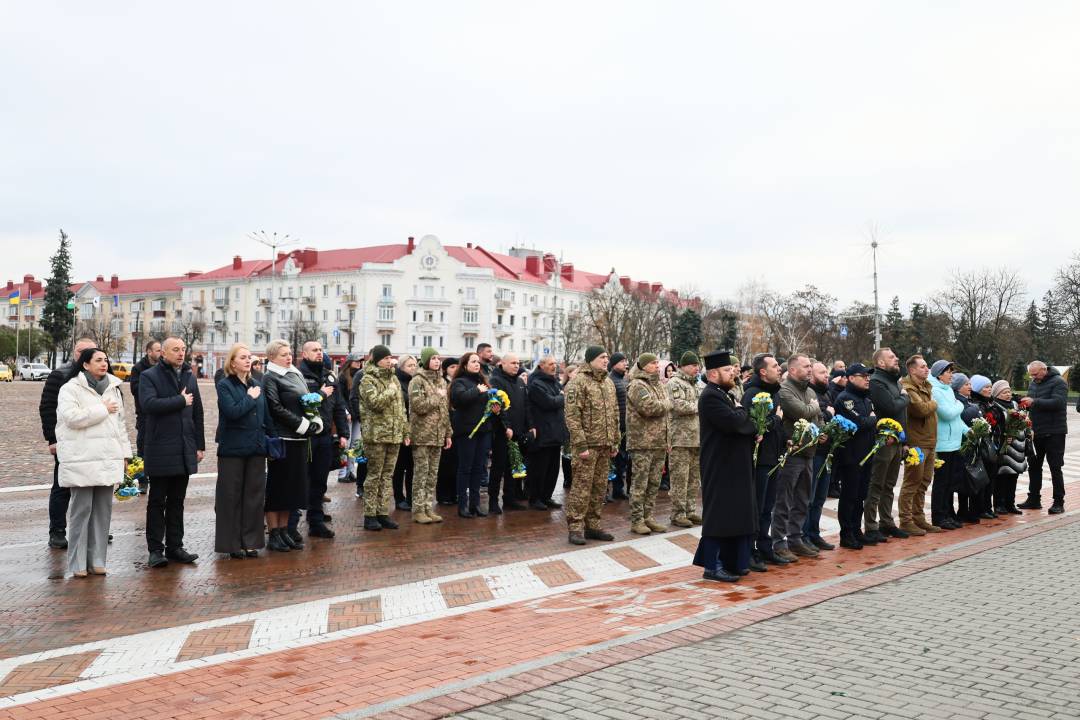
216,640
688,543
630,558
555,573
46,673
346,615
467,591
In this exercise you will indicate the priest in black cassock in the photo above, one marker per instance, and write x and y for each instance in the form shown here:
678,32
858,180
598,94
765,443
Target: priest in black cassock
727,475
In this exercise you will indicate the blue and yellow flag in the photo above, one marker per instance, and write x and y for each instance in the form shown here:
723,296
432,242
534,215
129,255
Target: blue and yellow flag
13,298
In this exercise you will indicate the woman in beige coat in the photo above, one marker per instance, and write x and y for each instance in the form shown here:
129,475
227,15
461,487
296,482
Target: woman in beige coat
91,446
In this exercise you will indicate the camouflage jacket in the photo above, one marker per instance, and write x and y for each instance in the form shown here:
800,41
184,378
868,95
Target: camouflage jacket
592,411
648,412
683,392
429,409
382,407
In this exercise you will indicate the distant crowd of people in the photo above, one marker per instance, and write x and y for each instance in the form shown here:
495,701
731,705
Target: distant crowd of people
416,433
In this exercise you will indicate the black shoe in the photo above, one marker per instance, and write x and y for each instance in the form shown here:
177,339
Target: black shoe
552,504
576,538
157,560
350,478
320,530
865,539
181,555
820,544
537,505
465,513
757,564
849,542
741,573
405,506
477,512
1032,503
514,505
720,575
999,510
769,555
58,540
370,523
1013,510
948,524
493,508
895,532
386,522
251,553
619,496
326,518
598,535
878,536
987,515
110,538
293,537
277,543
237,555
1056,509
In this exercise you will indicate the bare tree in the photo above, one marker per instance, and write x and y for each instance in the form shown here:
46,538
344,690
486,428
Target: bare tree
980,305
1067,301
190,329
106,332
630,321
572,335
795,322
301,331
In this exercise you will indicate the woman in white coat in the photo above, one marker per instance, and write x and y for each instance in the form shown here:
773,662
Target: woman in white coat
91,445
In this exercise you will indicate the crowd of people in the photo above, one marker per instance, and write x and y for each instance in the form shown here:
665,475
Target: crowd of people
416,433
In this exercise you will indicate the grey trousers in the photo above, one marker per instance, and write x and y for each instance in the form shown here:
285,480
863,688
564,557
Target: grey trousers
238,504
792,500
877,510
89,516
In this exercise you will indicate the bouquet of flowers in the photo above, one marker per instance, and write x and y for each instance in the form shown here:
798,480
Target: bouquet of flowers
973,438
129,486
760,407
938,463
517,462
805,434
495,399
1017,423
355,452
886,428
914,457
839,430
311,402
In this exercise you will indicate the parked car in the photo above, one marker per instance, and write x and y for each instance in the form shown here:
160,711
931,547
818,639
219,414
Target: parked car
34,371
5,373
121,370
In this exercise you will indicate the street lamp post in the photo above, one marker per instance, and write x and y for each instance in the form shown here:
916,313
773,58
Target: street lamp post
273,242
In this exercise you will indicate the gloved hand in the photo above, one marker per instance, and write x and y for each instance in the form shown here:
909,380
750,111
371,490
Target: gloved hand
316,426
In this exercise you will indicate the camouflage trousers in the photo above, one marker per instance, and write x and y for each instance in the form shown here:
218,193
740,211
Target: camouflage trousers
684,469
588,489
378,487
648,467
425,472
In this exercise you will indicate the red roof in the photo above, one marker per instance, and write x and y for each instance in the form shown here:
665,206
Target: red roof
29,289
138,286
248,268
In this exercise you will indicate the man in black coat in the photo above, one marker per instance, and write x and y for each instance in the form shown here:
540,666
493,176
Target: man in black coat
147,361
59,497
623,467
890,401
547,420
766,379
174,445
1047,402
855,405
507,426
323,381
728,496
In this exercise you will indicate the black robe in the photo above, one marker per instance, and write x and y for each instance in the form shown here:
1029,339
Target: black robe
727,466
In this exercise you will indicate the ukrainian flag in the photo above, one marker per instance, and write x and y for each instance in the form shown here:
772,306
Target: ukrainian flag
13,298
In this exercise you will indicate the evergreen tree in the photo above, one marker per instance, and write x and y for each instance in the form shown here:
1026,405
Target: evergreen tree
1050,348
1034,328
917,340
895,333
686,335
731,332
56,319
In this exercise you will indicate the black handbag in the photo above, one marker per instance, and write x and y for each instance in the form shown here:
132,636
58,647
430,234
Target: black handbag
976,479
275,448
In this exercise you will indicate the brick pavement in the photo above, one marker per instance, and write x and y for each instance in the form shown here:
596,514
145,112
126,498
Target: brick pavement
993,636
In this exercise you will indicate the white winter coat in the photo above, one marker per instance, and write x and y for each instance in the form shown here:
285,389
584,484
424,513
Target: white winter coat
91,442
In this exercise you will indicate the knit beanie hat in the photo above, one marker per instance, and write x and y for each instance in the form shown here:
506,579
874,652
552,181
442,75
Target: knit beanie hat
378,353
939,367
689,358
616,358
425,356
592,352
958,380
997,388
978,382
645,358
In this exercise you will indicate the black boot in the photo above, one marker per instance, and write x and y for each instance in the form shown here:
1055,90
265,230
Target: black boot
370,523
1032,503
276,542
386,522
292,538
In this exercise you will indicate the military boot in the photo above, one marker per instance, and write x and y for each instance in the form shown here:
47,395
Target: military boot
655,526
435,518
576,538
420,515
639,527
694,518
597,534
681,521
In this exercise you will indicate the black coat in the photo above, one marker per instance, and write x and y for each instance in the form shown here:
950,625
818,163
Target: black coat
332,409
1050,400
885,394
137,370
824,401
547,410
47,404
354,396
467,405
775,438
971,409
619,379
174,430
729,503
516,418
855,405
283,393
241,430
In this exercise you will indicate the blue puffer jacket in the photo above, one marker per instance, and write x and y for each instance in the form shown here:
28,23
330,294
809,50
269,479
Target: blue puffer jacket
950,426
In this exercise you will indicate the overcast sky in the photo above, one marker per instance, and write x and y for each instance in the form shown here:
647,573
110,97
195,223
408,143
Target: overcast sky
687,143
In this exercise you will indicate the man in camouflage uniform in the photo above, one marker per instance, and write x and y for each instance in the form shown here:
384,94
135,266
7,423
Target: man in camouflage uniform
592,417
385,428
684,464
429,431
648,438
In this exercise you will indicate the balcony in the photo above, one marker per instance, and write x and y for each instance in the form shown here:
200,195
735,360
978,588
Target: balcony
349,298
501,302
388,323
198,305
502,330
263,301
308,300
536,311
221,301
387,300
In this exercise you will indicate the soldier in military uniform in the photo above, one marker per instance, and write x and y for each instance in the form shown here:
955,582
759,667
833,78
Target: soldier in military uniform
684,464
648,438
592,417
429,431
385,428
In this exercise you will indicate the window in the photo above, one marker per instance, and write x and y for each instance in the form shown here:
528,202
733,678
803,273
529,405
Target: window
470,315
427,341
236,337
311,291
470,293
429,291
498,343
386,312
157,305
414,316
524,321
282,315
258,292
337,314
499,319
326,291
311,315
384,339
441,341
236,316
236,294
387,291
337,290
442,291
442,316
352,288
412,342
429,316
324,314
511,321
